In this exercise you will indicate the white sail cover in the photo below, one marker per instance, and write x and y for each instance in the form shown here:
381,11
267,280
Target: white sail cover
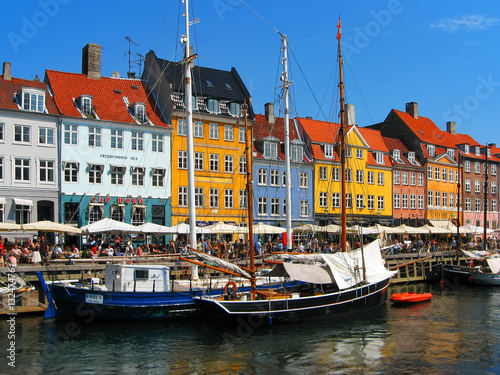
221,263
494,264
347,267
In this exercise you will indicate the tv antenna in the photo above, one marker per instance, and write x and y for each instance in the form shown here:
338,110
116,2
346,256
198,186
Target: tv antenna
138,62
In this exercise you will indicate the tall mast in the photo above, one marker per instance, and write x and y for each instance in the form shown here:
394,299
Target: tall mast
286,84
458,205
485,195
188,64
342,135
248,144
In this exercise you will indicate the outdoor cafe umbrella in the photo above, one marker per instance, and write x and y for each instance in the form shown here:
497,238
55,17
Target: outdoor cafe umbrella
9,226
222,228
50,226
151,228
183,228
261,228
109,226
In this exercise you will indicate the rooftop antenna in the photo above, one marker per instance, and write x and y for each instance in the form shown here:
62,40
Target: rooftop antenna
131,74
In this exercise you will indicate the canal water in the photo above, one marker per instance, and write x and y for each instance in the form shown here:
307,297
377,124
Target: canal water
458,332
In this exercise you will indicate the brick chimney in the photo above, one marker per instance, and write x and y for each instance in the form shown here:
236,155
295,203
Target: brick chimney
6,71
350,115
412,109
451,127
91,60
269,112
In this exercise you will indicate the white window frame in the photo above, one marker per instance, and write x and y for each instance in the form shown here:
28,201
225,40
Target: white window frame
228,163
137,141
46,168
213,131
46,136
95,136
70,134
24,134
228,133
116,139
157,142
214,162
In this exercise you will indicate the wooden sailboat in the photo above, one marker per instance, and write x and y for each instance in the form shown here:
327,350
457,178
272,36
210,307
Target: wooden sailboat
332,288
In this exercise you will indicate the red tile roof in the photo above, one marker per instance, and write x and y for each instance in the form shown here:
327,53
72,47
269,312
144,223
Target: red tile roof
9,88
319,131
108,96
374,139
262,128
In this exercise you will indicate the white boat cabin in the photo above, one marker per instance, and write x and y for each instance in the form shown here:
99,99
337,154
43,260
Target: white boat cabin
137,278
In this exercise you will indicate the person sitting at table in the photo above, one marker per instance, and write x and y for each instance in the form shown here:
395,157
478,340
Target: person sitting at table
57,252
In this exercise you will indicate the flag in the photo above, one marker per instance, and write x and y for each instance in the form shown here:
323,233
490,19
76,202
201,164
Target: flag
339,32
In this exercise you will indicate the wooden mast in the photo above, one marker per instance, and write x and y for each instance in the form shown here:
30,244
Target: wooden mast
342,136
485,196
457,242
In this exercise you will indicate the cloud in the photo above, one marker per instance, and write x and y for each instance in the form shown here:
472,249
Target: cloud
467,23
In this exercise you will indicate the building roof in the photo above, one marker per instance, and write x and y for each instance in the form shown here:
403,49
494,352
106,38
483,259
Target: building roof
109,96
9,89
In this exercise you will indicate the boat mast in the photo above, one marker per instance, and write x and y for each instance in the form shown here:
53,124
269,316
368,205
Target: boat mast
457,242
343,239
485,195
188,64
286,83
248,144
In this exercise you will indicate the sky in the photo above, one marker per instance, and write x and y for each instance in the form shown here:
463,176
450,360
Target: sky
444,55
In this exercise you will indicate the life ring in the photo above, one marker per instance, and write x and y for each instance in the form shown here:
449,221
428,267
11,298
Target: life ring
233,289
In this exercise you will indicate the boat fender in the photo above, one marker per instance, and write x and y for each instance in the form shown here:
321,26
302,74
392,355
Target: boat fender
233,290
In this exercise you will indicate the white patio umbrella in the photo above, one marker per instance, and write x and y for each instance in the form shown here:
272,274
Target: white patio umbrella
261,228
427,229
222,228
357,229
50,226
185,229
331,228
409,230
109,226
387,230
9,226
151,228
307,228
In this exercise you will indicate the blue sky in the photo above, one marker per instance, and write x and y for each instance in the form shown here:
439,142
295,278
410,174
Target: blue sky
442,54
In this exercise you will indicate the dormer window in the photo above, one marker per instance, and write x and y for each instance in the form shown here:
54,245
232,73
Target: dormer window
431,151
235,109
488,153
396,154
451,153
466,149
296,151
140,112
379,158
213,105
329,151
478,151
85,105
270,150
411,157
32,99
194,103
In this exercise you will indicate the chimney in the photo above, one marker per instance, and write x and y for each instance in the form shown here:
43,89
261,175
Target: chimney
451,127
350,118
91,60
6,71
269,110
412,109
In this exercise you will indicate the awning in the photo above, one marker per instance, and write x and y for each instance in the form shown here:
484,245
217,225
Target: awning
23,202
3,201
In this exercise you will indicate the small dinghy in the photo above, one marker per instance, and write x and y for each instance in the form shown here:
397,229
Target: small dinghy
408,298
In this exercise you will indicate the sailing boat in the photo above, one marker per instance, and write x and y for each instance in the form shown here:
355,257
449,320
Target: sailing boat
332,287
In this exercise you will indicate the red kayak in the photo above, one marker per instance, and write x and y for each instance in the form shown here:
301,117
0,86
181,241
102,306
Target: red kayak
401,298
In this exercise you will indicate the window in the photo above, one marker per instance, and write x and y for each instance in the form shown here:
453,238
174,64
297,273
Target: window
477,205
304,180
451,175
405,201
243,199
183,196
380,178
379,158
335,200
359,153
213,106
214,162
371,202
262,206
2,130
46,136
158,214
235,109
182,160
270,150
199,197
157,142
296,152
411,158
371,177
1,168
405,178
304,208
213,131
158,177
323,199
228,133
493,186
117,173
181,127
413,178
214,197
243,165
380,203
33,100
360,201
452,200
397,201
477,186
275,177
95,213
467,166
348,175
137,176
198,161
445,199
22,170
348,200
23,214
467,204
397,179
138,215
323,173
430,198
430,172
117,139
420,179
228,198
283,178
444,175
70,171
198,129
359,176
86,105
438,199
262,176
396,154
117,212
137,141
347,152
228,163
275,206
22,134
493,166
336,174
140,112
70,134
95,173
478,151
328,151
466,149
420,202
431,151
451,153
46,169
494,207
95,136
413,201
437,173
71,212
477,167
241,135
